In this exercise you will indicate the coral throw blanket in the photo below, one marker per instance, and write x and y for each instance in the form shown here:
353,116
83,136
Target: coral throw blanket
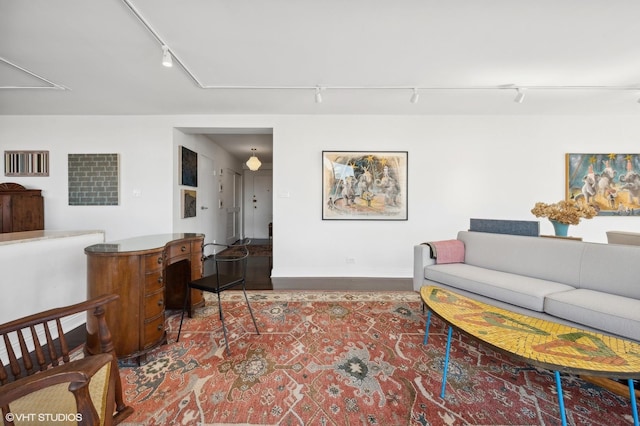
447,251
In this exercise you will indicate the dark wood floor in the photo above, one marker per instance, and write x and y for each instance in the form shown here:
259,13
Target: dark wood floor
259,270
259,273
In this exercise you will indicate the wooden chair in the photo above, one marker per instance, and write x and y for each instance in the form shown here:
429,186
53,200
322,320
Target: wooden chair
40,381
230,271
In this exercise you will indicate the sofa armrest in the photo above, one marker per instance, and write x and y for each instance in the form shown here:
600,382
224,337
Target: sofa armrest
421,258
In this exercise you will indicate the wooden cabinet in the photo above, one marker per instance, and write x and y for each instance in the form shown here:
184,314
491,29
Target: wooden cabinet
150,274
21,209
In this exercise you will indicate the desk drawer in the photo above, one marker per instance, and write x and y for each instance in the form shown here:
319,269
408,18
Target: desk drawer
176,250
153,330
153,282
153,262
153,304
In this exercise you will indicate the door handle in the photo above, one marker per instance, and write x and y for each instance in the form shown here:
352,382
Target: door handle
204,208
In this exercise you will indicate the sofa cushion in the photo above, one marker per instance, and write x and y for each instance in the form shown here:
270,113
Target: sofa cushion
608,312
611,268
544,258
515,289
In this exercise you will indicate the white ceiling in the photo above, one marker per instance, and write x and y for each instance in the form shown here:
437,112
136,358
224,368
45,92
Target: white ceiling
240,141
369,54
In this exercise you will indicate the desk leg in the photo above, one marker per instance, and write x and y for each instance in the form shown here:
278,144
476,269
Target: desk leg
560,399
446,364
634,405
426,328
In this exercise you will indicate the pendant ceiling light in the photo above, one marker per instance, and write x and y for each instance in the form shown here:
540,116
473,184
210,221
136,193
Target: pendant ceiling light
253,163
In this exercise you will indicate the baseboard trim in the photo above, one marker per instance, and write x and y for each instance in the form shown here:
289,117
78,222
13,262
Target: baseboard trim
342,283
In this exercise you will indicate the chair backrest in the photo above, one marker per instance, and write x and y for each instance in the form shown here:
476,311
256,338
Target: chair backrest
231,265
38,343
28,351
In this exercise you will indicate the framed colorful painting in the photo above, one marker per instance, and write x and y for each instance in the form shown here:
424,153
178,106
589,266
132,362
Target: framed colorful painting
608,182
364,185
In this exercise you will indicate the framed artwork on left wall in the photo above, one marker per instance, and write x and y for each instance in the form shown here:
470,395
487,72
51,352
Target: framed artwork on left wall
26,163
188,203
188,167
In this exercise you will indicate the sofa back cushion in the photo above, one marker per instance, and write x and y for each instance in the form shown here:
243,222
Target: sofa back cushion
545,258
611,268
623,237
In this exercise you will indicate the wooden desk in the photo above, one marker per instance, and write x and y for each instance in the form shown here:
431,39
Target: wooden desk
150,274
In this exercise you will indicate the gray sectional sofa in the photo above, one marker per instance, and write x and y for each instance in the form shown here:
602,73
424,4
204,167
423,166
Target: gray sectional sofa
587,285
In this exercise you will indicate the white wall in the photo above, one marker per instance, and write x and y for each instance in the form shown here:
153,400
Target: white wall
145,155
44,274
459,167
493,167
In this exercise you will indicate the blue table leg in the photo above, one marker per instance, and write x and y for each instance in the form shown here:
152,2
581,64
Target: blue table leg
426,329
560,399
634,406
446,363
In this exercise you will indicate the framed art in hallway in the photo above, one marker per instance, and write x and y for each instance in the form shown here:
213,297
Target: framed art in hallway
188,203
608,182
188,167
364,185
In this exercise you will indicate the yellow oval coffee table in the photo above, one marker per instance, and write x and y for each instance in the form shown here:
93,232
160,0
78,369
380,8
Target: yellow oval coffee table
538,342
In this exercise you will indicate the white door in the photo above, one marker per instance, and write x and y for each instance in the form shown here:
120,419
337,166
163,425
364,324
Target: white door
206,199
259,203
232,204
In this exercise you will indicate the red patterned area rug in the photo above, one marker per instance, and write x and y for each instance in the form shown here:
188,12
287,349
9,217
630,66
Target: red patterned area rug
344,358
256,250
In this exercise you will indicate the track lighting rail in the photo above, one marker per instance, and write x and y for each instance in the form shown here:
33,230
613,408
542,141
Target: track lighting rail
50,84
412,88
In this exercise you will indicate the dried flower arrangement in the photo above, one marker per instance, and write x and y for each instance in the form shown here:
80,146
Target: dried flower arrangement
566,211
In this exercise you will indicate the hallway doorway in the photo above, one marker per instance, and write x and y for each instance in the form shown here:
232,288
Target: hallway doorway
258,201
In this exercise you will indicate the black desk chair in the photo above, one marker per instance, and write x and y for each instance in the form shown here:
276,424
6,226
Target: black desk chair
230,271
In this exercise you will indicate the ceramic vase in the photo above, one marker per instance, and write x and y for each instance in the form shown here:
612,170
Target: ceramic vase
560,228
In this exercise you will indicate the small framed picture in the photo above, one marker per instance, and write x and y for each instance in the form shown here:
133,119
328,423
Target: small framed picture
188,203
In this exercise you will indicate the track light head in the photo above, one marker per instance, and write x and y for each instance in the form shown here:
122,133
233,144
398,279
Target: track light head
519,96
167,60
415,96
318,95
